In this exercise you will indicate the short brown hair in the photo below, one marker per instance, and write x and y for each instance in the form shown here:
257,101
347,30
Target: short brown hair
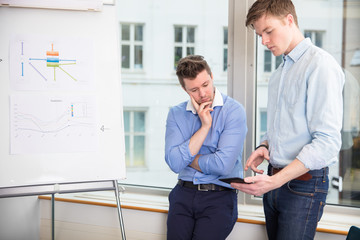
276,8
190,66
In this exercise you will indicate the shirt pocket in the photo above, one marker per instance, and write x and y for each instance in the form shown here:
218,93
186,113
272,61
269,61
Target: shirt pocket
291,91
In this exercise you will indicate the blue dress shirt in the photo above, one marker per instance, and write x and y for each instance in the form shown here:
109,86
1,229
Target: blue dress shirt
222,149
305,108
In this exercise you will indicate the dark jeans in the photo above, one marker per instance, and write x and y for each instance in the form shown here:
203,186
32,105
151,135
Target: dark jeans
201,215
294,210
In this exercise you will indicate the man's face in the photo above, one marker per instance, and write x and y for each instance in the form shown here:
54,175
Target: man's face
201,88
276,33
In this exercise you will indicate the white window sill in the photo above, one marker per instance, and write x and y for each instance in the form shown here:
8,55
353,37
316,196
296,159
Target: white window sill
335,219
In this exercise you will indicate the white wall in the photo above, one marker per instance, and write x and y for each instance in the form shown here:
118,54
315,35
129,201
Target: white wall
19,218
81,221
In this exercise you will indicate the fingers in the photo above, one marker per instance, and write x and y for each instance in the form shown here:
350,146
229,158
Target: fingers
203,106
195,104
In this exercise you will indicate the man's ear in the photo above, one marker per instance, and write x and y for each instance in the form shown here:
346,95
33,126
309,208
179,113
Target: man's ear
290,19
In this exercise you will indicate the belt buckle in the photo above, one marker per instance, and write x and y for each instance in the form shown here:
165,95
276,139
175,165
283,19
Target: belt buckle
202,189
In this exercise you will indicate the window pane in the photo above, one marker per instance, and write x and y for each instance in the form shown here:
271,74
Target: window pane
127,150
267,61
138,32
139,151
190,35
263,121
278,61
125,32
126,121
225,36
225,59
139,122
318,39
178,34
138,57
190,51
178,55
341,43
125,56
156,87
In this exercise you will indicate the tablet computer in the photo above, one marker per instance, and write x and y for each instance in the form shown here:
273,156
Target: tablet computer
233,180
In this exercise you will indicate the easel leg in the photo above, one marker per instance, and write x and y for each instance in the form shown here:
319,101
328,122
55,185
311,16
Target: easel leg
53,216
117,194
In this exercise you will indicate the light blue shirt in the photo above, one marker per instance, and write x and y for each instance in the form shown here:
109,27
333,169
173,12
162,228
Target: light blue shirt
305,108
222,149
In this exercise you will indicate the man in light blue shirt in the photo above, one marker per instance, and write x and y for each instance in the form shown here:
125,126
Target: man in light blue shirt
204,142
305,111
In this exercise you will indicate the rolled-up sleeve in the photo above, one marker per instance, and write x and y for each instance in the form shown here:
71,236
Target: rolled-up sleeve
230,144
177,152
324,113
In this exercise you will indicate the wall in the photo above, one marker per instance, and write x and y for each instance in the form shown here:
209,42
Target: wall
81,221
19,218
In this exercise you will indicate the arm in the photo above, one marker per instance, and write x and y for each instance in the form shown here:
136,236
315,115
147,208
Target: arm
229,145
257,157
263,183
181,152
324,116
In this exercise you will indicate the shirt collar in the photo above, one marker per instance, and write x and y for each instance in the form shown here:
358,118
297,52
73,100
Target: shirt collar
300,49
218,101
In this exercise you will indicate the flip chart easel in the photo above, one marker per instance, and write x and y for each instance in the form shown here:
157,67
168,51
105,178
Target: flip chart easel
27,173
52,189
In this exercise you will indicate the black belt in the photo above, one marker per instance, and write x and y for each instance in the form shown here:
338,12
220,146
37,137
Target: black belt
204,187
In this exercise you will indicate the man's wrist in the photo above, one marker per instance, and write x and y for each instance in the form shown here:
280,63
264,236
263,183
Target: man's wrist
262,145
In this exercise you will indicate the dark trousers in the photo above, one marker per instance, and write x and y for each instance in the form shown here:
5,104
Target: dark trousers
201,215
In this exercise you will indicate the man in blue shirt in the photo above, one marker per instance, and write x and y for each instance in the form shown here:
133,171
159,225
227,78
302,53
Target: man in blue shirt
303,137
204,142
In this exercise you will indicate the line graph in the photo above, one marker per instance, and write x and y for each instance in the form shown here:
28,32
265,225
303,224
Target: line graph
44,124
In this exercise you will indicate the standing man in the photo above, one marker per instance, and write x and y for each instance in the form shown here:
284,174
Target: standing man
303,125
204,142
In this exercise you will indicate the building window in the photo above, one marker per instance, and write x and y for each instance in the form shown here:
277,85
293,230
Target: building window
134,128
315,36
341,44
184,37
270,61
225,58
131,46
263,122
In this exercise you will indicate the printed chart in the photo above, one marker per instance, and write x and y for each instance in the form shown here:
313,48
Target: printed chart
43,63
44,124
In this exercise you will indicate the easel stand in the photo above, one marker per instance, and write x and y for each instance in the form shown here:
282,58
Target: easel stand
52,189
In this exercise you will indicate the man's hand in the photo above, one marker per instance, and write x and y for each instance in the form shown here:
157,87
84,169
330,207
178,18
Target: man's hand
256,158
260,184
203,110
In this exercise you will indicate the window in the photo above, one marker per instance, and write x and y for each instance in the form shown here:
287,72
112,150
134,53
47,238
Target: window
184,42
225,61
134,128
158,90
263,122
344,187
167,32
315,36
131,46
270,61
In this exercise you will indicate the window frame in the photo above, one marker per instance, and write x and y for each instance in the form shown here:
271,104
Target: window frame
242,87
133,134
184,44
132,44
